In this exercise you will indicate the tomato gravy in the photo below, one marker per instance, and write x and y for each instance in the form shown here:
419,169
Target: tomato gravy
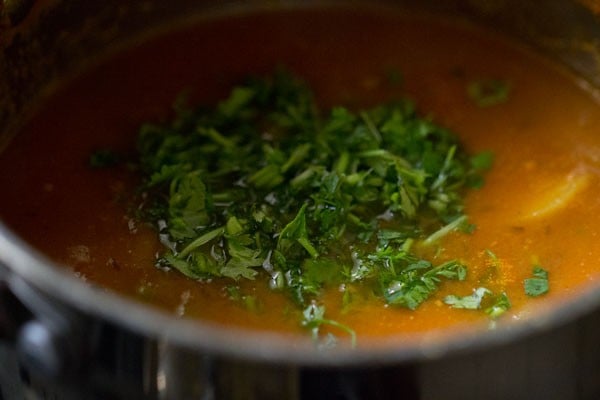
539,204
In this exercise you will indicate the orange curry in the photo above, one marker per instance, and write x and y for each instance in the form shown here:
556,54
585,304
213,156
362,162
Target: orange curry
539,204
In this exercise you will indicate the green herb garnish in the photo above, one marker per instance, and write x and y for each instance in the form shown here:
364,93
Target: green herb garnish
314,319
414,283
494,306
471,302
267,185
500,305
538,285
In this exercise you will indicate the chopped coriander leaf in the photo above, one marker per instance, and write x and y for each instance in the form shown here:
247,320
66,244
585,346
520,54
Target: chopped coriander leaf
471,302
418,281
538,285
249,302
295,231
314,319
500,305
493,257
201,240
494,306
479,162
266,185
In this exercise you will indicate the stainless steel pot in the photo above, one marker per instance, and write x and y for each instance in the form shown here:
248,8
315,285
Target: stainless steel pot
64,339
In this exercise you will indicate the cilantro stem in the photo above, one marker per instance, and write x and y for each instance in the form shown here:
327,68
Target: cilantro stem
207,237
446,229
342,163
343,327
215,136
443,174
371,126
308,247
386,155
297,156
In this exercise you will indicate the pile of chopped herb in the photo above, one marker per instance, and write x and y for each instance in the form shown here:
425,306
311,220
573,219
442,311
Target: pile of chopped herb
265,185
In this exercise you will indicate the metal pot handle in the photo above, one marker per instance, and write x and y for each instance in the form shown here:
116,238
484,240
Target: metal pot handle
10,319
46,337
64,352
